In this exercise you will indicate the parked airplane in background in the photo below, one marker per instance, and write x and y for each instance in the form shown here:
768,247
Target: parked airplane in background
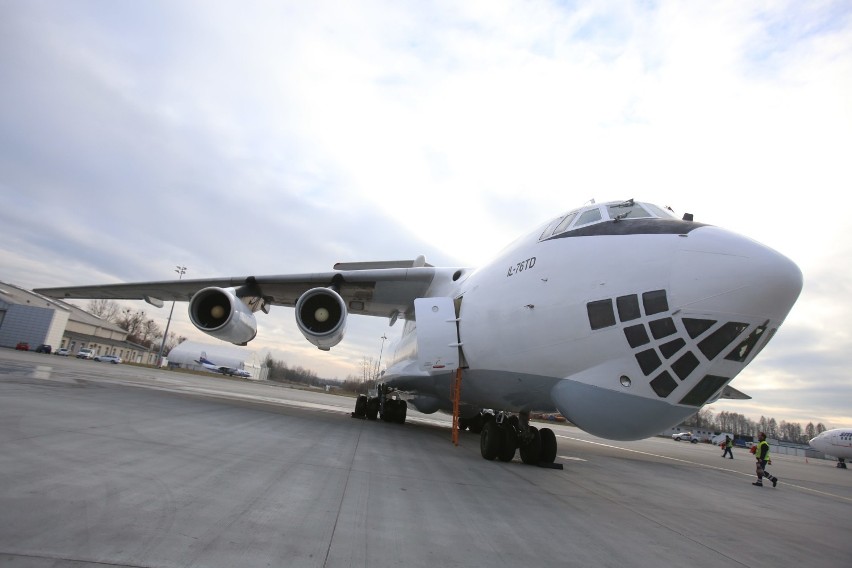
619,315
223,369
837,443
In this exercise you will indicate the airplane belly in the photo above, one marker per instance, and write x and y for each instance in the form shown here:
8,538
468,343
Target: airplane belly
615,415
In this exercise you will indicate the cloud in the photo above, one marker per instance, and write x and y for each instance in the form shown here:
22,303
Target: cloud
275,137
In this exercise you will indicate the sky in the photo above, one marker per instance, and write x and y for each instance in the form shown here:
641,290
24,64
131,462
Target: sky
239,138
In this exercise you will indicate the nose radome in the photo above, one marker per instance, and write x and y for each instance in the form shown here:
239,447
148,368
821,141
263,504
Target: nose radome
722,272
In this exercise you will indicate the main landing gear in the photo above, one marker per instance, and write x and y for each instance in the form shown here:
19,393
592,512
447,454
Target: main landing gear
503,435
500,436
841,463
384,404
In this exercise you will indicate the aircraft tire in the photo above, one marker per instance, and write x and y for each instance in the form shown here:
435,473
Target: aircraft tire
391,412
548,446
510,443
360,406
372,408
402,410
491,440
475,424
531,450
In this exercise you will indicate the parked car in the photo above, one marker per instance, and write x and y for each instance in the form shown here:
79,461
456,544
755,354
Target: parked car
684,437
114,359
85,353
44,348
22,346
62,351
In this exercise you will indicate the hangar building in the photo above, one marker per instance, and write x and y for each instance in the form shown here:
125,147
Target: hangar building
31,318
36,319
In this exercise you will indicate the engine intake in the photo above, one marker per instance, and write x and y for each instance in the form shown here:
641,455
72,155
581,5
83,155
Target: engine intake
220,313
321,317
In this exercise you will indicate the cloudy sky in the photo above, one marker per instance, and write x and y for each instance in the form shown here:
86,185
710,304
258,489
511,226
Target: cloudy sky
278,137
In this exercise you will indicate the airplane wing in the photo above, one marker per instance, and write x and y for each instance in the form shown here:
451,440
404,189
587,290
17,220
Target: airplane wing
731,393
365,289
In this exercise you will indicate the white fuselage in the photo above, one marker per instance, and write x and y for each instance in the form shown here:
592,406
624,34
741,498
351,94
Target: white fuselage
626,330
837,443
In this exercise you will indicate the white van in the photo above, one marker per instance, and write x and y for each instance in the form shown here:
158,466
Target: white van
719,438
85,353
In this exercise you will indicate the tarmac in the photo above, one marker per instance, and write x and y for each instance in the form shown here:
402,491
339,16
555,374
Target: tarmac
120,466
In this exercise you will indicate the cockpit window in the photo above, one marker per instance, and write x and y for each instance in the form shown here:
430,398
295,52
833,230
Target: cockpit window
549,229
595,214
563,226
658,211
628,210
590,216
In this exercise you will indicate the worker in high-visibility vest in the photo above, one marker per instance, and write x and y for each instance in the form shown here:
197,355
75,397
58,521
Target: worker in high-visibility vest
729,446
762,454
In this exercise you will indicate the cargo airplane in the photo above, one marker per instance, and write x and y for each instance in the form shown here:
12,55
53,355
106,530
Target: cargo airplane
223,369
621,316
837,443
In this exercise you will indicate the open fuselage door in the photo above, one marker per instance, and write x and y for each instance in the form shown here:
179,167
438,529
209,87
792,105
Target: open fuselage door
438,347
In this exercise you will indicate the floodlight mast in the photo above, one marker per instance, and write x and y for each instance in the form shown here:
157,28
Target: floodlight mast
181,270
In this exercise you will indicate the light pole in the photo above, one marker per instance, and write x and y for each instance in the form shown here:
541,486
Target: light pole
379,364
181,270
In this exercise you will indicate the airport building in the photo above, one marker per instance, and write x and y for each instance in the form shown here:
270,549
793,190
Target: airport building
27,317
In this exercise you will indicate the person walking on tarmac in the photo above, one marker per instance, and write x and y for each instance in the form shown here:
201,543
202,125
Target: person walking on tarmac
729,444
761,452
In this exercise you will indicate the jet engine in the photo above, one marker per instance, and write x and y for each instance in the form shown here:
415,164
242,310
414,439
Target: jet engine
220,313
321,317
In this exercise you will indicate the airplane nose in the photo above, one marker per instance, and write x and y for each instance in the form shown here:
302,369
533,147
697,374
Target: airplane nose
722,272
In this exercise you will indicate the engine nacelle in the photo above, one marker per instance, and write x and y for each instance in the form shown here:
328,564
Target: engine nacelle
218,312
321,317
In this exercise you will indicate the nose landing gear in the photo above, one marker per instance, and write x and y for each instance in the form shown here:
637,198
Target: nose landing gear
501,437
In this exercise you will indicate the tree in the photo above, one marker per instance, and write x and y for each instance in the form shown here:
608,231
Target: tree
139,328
172,342
107,310
810,430
740,425
771,429
367,369
131,321
149,333
271,364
